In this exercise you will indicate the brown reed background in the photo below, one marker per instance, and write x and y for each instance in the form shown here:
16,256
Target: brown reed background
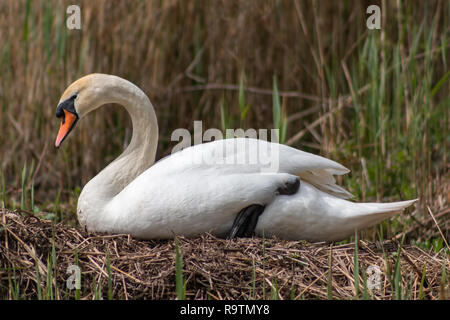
375,100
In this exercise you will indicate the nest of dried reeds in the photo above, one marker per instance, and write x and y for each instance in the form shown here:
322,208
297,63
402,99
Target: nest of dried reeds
35,255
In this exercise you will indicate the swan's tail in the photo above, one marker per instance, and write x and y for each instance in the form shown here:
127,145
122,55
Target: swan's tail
368,214
373,208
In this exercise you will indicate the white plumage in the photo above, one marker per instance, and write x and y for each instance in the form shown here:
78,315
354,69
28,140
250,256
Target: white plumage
203,187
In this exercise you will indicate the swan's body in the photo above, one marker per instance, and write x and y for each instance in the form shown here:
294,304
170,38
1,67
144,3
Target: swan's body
201,189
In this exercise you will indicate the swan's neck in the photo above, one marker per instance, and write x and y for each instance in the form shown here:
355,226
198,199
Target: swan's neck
139,155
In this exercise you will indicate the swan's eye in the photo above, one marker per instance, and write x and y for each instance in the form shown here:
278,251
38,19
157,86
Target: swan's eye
68,104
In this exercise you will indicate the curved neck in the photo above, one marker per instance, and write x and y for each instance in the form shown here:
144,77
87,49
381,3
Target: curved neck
137,157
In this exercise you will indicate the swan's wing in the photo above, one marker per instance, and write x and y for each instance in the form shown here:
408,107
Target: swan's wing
242,155
323,179
317,170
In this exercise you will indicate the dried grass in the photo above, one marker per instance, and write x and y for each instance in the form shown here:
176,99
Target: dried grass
213,268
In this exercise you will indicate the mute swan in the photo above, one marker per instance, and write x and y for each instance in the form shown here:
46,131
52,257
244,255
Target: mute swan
179,196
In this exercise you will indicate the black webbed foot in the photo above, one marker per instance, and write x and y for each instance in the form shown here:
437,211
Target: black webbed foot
245,222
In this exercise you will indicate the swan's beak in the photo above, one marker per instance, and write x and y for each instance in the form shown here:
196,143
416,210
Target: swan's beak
68,121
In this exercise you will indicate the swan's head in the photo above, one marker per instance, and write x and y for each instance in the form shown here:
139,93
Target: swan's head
80,98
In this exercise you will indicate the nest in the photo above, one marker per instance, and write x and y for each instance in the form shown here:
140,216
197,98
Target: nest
36,255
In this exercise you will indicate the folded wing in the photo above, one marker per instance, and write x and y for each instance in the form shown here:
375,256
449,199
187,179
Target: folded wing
245,155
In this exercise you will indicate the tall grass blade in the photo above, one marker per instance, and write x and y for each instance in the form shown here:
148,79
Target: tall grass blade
274,294
264,264
398,276
77,288
243,107
330,277
440,84
276,109
356,266
24,192
26,21
179,281
3,190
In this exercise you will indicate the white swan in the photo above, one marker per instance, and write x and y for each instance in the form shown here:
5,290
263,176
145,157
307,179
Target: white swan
180,195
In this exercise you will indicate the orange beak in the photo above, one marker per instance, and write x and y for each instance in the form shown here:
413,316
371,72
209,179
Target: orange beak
67,123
